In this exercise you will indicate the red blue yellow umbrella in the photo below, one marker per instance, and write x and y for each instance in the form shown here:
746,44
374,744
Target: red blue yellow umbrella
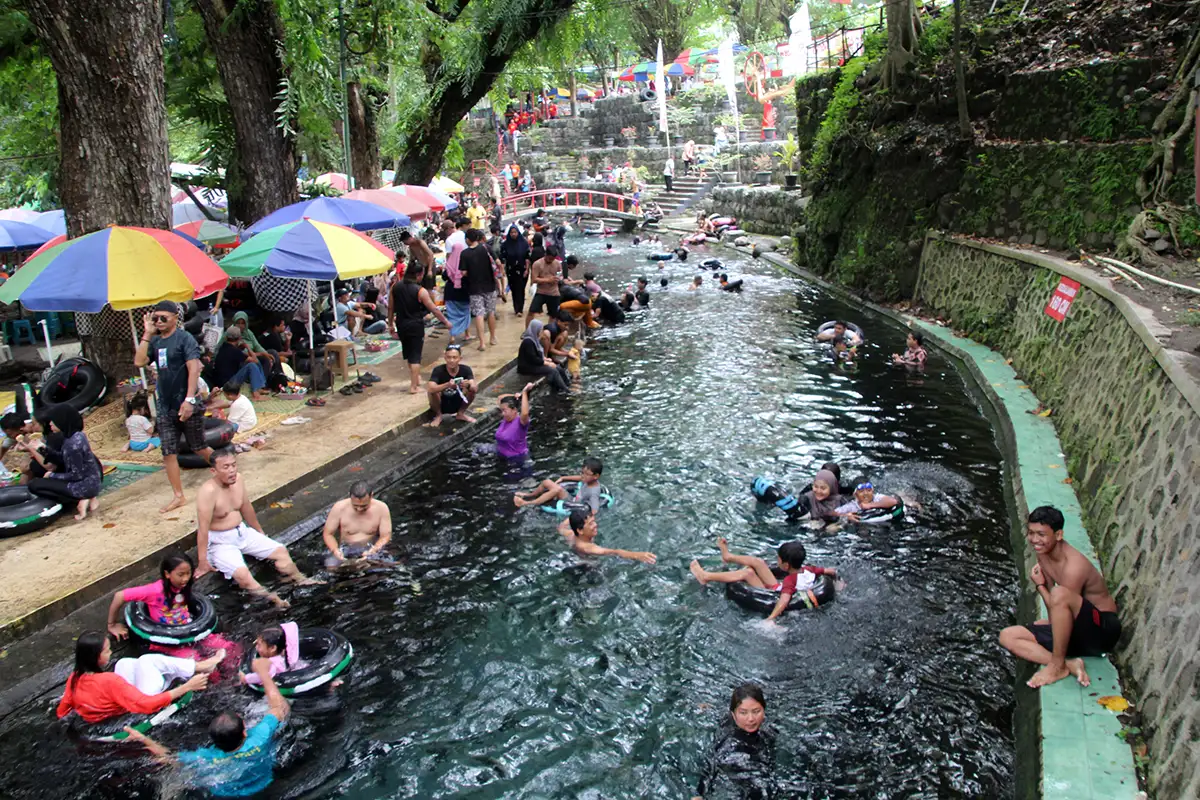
120,267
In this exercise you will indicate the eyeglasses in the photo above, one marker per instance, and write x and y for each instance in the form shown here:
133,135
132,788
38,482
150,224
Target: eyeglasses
455,347
160,318
863,486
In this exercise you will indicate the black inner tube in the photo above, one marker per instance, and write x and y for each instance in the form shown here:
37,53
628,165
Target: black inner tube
204,622
22,511
326,654
752,598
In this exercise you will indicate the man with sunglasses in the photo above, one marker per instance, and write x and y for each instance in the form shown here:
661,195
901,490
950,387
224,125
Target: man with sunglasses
176,356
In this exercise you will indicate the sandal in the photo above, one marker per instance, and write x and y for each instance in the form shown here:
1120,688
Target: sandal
347,390
316,402
368,377
357,388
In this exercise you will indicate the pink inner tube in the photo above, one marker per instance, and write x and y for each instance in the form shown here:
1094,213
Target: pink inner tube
723,221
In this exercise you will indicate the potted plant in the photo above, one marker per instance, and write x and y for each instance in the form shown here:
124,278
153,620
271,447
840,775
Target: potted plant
585,165
789,156
762,168
651,135
609,140
630,134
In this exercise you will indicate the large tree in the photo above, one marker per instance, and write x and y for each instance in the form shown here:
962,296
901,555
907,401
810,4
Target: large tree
113,154
363,103
760,20
246,37
467,45
668,20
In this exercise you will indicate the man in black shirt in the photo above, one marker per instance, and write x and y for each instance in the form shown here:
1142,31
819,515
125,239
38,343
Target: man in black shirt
176,356
482,284
451,388
278,338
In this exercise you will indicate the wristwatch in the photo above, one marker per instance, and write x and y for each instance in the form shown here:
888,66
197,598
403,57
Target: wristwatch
190,400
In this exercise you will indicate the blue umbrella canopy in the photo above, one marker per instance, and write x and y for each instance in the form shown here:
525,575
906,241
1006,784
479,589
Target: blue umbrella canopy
355,214
22,235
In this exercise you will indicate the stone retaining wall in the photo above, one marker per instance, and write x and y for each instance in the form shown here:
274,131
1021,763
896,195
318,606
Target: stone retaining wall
1127,415
766,209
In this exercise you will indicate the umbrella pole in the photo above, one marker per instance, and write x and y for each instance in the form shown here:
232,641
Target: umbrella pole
49,347
312,341
142,370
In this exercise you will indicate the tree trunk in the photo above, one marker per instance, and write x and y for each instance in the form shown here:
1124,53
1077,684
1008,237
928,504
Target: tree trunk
960,75
450,98
364,136
903,30
262,177
114,161
571,87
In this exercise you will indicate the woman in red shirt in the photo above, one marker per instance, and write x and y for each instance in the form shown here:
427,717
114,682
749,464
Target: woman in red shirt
135,686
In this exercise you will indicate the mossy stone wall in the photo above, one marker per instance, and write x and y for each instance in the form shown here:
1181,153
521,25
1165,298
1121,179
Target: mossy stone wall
1132,441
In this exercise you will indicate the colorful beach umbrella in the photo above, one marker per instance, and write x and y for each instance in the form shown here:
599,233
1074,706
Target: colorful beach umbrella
217,198
309,250
22,235
402,203
337,210
435,200
207,232
121,267
337,180
441,183
62,237
677,69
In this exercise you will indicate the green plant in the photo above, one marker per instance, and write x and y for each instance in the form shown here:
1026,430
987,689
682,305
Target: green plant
789,153
629,132
1190,317
680,115
837,115
761,163
584,162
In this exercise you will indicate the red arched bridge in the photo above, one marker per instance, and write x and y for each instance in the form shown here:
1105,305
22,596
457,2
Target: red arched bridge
570,201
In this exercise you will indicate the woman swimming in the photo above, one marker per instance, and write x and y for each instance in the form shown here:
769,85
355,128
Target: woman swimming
742,761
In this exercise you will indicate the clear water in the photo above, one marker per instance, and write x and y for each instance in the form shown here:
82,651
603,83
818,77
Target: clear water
495,663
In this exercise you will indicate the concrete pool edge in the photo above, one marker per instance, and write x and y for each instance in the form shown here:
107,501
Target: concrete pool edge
1081,752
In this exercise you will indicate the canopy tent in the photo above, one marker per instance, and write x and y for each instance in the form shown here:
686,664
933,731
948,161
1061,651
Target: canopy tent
402,203
441,183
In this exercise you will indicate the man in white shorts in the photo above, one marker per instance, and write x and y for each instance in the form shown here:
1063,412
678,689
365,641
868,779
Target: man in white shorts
228,530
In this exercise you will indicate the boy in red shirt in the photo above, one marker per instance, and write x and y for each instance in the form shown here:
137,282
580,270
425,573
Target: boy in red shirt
756,572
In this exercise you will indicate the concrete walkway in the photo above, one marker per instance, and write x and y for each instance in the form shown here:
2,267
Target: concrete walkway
48,574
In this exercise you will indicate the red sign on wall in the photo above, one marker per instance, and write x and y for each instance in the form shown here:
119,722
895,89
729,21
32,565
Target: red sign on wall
1060,301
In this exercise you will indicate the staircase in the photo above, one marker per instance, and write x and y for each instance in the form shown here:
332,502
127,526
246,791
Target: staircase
685,192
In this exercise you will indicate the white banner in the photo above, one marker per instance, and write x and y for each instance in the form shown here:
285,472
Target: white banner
659,84
728,75
799,42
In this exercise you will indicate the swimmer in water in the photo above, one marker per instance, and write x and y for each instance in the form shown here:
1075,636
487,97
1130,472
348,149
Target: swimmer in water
743,754
840,331
587,488
864,500
843,353
358,527
757,573
580,531
914,354
696,283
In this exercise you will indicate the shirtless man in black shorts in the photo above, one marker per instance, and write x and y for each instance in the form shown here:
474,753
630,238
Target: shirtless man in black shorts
1083,617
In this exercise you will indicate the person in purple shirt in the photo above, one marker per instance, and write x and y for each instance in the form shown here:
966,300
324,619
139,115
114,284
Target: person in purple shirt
513,433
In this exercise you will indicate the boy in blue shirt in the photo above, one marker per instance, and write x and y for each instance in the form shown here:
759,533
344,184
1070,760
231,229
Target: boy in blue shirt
240,762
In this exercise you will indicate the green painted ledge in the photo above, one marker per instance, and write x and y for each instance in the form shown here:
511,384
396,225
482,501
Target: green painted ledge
1082,754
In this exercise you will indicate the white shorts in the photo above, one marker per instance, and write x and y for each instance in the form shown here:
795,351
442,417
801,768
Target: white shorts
226,548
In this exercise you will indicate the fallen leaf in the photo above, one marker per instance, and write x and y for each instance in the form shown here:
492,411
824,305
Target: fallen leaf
1054,466
281,504
356,469
354,436
1068,480
1046,413
1114,702
110,525
172,519
1008,361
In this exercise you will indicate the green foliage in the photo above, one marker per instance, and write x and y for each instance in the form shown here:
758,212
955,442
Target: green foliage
1073,193
845,99
1098,118
28,117
937,37
1190,317
789,152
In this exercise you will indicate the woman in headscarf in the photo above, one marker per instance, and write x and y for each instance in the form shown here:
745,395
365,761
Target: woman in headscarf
514,252
532,360
269,359
822,500
80,478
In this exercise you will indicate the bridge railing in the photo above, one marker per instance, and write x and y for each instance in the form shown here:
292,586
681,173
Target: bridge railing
580,198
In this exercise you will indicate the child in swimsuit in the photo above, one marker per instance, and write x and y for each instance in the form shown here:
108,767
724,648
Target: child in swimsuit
587,489
756,572
281,646
168,601
864,500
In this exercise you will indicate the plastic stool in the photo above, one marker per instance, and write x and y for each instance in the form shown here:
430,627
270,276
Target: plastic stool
53,325
340,351
22,330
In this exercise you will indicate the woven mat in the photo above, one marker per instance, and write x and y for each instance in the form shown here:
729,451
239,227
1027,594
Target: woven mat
105,428
125,474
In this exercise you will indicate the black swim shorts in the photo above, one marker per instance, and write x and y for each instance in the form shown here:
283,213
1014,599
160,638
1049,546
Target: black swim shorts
1093,634
547,301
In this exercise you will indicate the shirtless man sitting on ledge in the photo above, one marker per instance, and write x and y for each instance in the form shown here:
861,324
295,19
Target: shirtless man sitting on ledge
363,524
228,529
1083,617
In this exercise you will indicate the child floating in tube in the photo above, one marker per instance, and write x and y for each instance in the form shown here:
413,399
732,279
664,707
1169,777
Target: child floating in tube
757,572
